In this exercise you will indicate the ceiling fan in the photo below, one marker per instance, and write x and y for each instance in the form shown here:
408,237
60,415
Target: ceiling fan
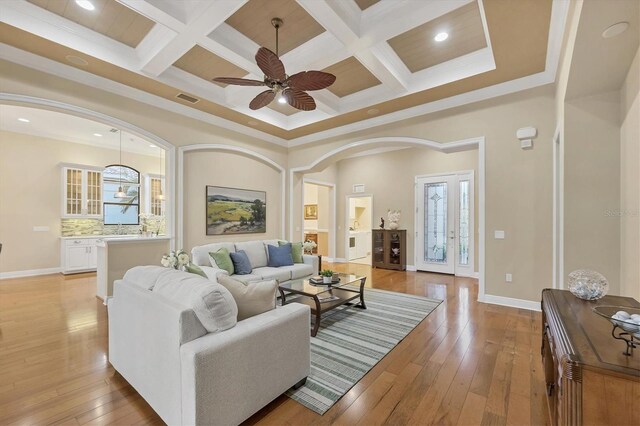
289,89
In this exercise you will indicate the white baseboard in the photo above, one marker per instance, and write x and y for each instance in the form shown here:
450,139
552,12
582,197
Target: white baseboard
411,268
511,302
28,273
339,260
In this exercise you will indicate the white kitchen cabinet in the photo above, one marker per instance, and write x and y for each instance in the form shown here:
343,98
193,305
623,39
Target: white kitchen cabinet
79,255
81,192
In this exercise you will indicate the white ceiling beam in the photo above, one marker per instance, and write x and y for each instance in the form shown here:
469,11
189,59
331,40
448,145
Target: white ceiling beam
232,45
392,63
332,19
212,17
305,57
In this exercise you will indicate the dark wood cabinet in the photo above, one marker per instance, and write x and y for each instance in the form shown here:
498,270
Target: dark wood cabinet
588,378
389,249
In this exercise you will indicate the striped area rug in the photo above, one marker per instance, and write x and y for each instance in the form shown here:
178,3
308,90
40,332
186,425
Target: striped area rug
351,341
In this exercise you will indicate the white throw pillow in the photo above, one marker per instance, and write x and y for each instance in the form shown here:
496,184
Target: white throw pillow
252,298
212,303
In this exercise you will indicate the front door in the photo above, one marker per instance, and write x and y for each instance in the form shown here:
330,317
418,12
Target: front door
444,224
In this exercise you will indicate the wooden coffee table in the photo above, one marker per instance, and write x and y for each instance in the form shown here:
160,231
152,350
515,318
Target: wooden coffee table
312,294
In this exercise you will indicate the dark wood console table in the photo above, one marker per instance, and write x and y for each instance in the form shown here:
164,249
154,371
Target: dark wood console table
589,380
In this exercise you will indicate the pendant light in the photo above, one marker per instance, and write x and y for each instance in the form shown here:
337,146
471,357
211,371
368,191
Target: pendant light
160,195
120,193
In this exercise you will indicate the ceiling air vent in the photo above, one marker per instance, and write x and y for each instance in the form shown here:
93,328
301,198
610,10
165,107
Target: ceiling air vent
112,130
187,98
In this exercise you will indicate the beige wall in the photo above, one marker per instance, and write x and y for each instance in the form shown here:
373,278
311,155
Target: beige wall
204,168
518,182
390,177
319,195
630,182
592,186
31,194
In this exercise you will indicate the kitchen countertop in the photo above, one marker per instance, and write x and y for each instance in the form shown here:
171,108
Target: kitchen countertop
114,237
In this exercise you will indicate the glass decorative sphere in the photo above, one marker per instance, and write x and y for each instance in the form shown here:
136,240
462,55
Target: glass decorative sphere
588,285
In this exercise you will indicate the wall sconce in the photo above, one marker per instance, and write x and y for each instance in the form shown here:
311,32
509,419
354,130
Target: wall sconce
526,135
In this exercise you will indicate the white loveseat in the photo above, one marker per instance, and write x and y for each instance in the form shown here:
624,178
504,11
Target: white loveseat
193,377
258,255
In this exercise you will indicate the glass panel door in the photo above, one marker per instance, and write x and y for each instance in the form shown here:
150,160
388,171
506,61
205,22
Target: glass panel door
73,192
94,193
378,248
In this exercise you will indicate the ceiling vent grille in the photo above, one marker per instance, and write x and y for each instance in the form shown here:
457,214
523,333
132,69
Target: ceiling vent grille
187,98
113,130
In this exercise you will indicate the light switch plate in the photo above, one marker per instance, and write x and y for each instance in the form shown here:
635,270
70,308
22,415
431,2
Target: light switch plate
508,278
498,235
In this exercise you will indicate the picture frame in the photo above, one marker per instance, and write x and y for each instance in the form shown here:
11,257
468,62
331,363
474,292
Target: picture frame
230,211
311,211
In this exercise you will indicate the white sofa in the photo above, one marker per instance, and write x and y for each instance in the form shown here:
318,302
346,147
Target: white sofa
192,377
258,255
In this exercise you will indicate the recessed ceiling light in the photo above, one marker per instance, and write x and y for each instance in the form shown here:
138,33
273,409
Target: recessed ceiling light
373,111
441,36
24,120
615,29
97,134
85,4
76,60
152,146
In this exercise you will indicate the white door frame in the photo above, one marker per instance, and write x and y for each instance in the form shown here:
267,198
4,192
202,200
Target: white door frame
416,224
346,219
332,209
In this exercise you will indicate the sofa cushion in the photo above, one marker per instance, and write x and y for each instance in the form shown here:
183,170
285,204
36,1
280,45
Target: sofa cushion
296,251
253,298
241,264
212,303
221,259
299,270
144,277
246,278
200,254
269,273
255,251
280,256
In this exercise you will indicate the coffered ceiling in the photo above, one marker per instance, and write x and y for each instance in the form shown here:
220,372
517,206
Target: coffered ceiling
383,53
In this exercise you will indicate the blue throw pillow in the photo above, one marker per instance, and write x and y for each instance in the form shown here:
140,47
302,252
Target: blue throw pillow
241,264
280,256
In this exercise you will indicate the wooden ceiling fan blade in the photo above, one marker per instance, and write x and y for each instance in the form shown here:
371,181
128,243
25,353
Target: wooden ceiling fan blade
262,100
311,80
238,81
270,64
299,99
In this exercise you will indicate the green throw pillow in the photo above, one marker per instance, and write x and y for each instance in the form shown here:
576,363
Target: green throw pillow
223,260
195,269
296,251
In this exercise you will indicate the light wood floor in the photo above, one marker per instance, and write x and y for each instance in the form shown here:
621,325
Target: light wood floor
467,363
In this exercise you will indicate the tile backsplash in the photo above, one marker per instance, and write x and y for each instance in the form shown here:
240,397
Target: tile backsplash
74,227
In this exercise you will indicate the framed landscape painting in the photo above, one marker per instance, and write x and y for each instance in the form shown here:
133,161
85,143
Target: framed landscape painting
235,211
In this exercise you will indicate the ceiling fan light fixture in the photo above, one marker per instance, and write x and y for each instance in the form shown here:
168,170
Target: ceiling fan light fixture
282,99
85,4
441,36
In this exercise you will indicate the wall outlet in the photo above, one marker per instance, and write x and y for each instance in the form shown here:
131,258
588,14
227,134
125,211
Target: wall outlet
508,278
498,235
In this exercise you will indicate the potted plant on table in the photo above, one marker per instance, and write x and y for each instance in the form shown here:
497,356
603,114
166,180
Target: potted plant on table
327,276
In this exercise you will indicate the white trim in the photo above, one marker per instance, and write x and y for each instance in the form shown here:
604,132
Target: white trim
511,302
227,148
332,229
412,268
78,111
481,218
29,273
555,145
